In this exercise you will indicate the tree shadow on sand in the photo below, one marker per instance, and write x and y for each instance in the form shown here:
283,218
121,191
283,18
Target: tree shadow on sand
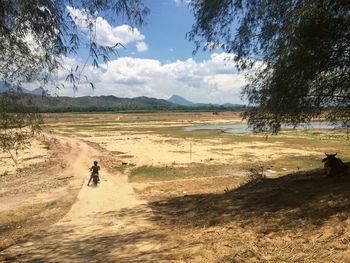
83,243
270,205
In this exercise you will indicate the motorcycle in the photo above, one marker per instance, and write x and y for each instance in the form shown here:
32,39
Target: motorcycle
95,179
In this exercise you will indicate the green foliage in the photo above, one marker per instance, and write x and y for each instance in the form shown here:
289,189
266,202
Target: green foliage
153,171
193,170
34,34
298,49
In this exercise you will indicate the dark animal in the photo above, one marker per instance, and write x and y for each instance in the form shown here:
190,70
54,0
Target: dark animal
333,166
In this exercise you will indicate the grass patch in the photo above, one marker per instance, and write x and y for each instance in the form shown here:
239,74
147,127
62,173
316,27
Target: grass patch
285,164
295,163
117,152
121,169
154,173
126,156
282,166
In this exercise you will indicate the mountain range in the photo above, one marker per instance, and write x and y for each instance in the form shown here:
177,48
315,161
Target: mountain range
176,99
4,87
39,100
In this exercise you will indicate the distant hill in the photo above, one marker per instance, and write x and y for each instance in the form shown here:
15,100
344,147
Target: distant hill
176,99
35,103
231,105
4,87
38,100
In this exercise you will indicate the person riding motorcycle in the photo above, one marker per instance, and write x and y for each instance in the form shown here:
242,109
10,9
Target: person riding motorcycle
94,172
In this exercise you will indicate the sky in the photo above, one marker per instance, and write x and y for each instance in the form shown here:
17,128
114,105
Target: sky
157,60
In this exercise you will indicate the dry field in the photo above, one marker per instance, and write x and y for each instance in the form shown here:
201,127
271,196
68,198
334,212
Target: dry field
202,196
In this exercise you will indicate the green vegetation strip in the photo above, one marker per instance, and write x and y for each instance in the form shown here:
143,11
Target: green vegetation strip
159,173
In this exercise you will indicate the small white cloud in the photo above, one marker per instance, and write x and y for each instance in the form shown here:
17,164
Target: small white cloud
141,46
177,2
171,49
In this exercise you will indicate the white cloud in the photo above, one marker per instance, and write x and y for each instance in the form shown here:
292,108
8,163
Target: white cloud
80,17
103,32
226,82
141,46
177,2
214,80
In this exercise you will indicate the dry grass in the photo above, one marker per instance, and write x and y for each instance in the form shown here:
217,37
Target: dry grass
34,197
296,218
17,223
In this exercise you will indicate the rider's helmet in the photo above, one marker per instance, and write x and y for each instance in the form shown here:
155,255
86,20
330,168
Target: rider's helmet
95,162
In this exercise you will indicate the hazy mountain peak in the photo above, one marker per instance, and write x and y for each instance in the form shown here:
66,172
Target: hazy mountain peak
176,99
4,87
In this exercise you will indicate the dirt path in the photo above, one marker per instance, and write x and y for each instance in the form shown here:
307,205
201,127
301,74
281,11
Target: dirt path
106,224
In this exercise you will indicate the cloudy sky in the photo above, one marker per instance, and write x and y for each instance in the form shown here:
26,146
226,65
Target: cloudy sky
157,60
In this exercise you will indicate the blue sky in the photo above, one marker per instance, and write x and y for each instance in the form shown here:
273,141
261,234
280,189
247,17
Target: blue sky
157,61
168,23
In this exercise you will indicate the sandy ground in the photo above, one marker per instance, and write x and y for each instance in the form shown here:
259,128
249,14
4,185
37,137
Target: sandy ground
299,218
37,152
153,149
143,139
95,228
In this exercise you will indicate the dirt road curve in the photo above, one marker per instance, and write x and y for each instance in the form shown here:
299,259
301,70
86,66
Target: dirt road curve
106,224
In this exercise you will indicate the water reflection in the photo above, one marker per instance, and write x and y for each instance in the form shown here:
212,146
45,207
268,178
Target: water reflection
243,127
